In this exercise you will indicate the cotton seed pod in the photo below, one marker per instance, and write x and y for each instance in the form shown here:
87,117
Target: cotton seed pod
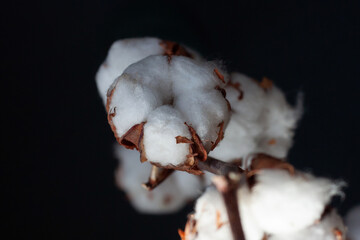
282,202
273,202
125,52
262,121
170,110
169,197
331,227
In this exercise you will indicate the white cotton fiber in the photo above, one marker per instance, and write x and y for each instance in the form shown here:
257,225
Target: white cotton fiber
163,125
352,220
212,220
121,54
168,197
282,203
152,91
125,52
328,229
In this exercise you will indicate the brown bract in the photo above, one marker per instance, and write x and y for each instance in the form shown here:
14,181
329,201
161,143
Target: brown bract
223,93
338,234
190,228
263,161
237,87
174,49
220,135
219,75
266,83
133,138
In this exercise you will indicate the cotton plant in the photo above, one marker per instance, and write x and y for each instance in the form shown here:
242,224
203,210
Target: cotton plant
186,116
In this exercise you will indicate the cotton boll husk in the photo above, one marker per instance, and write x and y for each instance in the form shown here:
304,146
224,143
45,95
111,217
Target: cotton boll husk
163,126
281,203
121,54
168,197
212,221
352,220
323,230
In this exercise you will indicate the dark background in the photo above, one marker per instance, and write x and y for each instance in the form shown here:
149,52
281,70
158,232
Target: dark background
56,154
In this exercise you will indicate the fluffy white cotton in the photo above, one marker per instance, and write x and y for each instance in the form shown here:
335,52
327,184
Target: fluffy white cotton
281,203
124,52
121,54
168,197
212,220
262,121
352,221
277,205
160,131
328,229
165,95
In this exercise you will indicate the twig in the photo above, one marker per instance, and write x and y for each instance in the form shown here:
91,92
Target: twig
227,186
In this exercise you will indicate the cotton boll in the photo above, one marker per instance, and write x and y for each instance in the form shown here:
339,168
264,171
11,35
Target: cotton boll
168,197
198,115
282,203
163,126
328,229
352,220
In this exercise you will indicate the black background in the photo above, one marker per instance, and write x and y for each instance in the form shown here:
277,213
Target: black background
56,154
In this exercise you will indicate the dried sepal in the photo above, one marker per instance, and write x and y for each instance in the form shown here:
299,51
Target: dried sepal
263,161
266,83
237,87
174,49
190,229
197,146
219,75
220,135
157,176
338,234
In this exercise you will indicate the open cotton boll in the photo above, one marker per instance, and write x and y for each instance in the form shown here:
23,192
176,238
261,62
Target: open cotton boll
148,109
168,197
352,220
161,129
282,203
124,52
330,228
212,221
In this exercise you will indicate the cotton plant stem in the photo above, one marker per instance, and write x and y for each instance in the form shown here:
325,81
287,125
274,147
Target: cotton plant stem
227,186
227,183
218,167
157,176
